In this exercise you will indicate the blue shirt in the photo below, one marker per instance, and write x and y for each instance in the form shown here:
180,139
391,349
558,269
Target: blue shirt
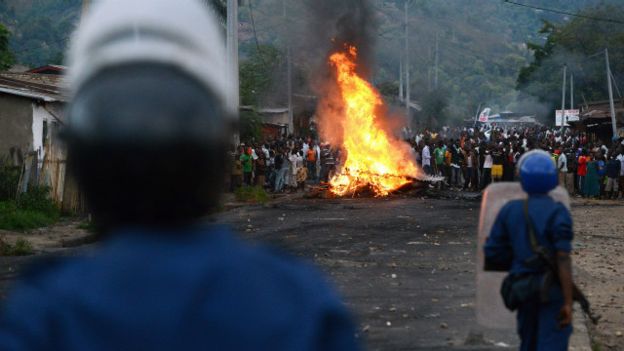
198,289
601,168
509,239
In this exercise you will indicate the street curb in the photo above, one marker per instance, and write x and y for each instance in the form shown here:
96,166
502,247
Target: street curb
580,340
83,240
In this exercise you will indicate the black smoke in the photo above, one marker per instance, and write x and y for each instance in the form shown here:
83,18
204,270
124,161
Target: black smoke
337,23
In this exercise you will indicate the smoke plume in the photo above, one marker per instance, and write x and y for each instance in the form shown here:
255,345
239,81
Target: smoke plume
333,26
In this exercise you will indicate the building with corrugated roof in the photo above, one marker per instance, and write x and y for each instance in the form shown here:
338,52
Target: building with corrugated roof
31,113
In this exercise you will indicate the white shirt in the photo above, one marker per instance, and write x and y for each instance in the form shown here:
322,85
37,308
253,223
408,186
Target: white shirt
562,163
426,156
487,163
318,153
621,159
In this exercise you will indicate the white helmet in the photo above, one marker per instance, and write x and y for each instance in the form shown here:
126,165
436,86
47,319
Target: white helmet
149,121
180,33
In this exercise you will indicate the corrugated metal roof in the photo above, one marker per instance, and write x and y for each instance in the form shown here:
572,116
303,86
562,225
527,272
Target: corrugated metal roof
35,86
273,110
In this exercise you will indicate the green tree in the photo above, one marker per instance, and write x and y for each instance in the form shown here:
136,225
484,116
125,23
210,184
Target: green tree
256,73
6,57
389,88
575,44
434,105
250,126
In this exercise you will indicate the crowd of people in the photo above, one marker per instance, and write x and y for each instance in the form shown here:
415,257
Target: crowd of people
468,159
283,164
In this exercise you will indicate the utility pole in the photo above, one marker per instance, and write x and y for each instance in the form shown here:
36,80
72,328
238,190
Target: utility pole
563,97
611,103
232,58
571,91
85,7
401,78
437,62
291,117
407,64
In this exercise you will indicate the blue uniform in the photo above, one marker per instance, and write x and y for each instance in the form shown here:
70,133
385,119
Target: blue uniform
200,289
509,243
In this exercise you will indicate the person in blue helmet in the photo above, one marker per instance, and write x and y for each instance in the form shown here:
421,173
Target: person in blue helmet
544,305
148,130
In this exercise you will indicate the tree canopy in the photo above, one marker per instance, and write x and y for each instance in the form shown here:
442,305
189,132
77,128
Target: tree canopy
6,57
579,45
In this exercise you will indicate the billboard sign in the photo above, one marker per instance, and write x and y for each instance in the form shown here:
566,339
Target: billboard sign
566,116
484,117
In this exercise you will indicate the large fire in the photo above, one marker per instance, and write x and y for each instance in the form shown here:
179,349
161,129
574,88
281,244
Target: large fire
374,158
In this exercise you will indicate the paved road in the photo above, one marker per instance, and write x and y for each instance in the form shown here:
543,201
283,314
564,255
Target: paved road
404,265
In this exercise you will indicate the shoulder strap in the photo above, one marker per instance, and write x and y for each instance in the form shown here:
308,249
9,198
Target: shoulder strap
530,229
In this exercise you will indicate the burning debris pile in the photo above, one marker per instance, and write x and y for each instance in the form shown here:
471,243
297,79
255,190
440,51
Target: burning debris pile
374,158
351,113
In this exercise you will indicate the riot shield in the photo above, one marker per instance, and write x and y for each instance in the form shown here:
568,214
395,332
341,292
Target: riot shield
491,312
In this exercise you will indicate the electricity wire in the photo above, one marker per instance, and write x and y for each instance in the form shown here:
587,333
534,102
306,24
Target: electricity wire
561,12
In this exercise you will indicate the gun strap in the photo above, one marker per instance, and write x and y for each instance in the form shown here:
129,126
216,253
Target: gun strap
530,228
579,296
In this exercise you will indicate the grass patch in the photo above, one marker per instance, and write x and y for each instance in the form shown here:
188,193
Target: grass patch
88,226
251,194
31,210
22,247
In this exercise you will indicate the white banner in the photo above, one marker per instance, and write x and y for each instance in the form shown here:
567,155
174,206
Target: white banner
484,117
567,116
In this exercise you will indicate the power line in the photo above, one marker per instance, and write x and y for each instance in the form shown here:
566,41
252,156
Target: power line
561,12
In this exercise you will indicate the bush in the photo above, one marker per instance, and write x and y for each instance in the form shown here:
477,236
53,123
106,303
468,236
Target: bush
32,209
22,247
37,199
14,218
251,194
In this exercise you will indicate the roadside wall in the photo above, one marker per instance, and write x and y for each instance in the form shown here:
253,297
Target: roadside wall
15,124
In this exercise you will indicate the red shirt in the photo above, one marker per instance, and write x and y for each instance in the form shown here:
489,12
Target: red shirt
582,166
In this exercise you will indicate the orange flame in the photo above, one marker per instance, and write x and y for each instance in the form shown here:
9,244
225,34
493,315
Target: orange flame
373,157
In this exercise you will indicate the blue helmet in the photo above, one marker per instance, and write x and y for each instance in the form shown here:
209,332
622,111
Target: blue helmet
538,172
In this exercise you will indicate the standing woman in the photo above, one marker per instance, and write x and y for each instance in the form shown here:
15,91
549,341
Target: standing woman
292,171
301,172
592,180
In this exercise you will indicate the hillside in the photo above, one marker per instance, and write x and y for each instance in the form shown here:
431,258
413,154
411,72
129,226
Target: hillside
40,28
481,43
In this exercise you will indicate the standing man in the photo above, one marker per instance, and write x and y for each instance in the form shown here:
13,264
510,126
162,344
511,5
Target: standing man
438,155
487,167
620,158
147,137
247,162
522,229
311,161
613,174
562,167
581,171
426,158
498,156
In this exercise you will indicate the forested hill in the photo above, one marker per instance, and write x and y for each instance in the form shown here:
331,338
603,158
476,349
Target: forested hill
40,28
481,42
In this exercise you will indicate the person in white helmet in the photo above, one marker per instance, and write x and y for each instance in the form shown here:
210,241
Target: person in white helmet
148,130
